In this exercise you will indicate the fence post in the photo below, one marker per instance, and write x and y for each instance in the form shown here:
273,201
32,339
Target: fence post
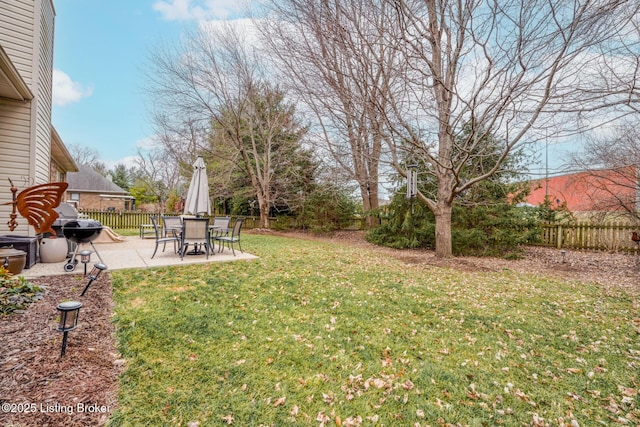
559,237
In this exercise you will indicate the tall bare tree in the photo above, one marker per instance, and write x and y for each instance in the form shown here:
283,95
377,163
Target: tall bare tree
466,69
337,63
501,67
215,84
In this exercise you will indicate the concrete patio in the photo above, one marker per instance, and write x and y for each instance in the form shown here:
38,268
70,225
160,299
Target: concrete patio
134,252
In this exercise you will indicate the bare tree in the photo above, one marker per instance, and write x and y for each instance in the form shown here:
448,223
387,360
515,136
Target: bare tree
87,156
159,174
476,68
215,84
338,65
181,138
611,166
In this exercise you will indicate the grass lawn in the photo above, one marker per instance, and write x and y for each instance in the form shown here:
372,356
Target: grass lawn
316,334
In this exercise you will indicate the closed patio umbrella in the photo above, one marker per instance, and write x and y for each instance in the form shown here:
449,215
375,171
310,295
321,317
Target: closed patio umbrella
198,201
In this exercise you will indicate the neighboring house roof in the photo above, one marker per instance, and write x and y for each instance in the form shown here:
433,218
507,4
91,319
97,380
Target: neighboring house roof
601,190
86,180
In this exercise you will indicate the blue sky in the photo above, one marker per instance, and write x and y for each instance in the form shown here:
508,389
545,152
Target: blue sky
101,50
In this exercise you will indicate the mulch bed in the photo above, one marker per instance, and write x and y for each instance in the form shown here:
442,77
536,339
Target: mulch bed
38,387
54,388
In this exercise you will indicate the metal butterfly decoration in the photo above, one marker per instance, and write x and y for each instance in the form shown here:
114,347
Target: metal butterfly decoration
37,205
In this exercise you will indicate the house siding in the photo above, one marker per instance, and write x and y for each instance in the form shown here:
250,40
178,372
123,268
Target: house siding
26,35
43,62
17,32
15,156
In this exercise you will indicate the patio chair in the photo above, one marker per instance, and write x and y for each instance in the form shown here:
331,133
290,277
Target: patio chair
160,239
171,225
234,237
194,231
220,228
146,229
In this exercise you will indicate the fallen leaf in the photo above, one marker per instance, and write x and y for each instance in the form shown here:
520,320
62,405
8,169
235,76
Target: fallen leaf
538,421
280,401
353,421
378,383
322,418
408,385
328,398
626,391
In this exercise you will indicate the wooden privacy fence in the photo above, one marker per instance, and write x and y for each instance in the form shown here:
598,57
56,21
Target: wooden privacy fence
589,236
133,220
586,236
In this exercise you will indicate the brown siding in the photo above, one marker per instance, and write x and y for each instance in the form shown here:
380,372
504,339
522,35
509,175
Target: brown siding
92,201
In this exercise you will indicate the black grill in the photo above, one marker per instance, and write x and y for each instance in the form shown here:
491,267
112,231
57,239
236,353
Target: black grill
66,212
82,230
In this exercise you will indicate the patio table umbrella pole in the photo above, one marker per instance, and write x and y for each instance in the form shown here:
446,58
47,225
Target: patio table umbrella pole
197,201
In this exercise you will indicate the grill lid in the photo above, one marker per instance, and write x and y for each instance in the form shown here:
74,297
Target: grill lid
81,230
87,224
66,211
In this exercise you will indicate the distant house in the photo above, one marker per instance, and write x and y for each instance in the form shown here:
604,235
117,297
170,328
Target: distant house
605,190
88,190
31,151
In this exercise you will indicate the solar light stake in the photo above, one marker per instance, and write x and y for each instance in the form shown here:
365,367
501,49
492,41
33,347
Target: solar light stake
95,272
564,253
85,258
69,311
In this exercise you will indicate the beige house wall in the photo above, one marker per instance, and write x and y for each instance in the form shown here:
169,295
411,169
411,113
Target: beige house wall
43,87
17,34
26,36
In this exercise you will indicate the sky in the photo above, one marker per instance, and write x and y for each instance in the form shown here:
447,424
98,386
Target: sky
102,48
100,55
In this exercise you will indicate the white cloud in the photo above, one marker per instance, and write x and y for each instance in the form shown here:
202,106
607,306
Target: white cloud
129,162
198,10
66,91
148,143
245,27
